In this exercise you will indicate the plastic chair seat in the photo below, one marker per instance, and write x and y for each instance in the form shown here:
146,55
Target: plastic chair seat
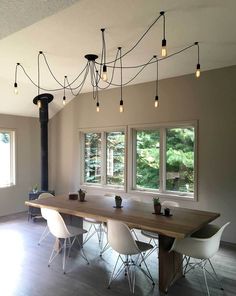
206,231
74,231
90,220
150,234
143,247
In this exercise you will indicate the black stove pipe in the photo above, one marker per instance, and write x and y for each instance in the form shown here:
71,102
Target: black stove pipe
42,102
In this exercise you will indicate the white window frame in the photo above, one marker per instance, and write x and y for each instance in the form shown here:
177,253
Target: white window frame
103,132
161,192
12,156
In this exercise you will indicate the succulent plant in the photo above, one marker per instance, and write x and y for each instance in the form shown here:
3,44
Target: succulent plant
156,200
117,197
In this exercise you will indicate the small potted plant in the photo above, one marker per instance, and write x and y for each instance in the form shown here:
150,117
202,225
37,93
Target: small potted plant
157,205
82,194
35,188
118,201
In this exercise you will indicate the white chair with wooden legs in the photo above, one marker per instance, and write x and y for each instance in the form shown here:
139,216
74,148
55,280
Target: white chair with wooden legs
201,245
46,230
153,237
121,240
60,230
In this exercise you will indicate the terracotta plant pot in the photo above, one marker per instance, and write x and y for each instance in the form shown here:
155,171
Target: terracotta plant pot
157,209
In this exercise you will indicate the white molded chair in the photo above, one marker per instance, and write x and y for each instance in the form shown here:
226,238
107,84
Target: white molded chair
59,229
121,240
99,228
201,245
153,237
96,227
46,230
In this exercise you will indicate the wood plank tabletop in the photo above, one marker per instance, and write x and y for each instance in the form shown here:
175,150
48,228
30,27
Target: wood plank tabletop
135,214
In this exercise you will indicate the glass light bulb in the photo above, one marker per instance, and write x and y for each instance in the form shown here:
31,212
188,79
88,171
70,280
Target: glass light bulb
104,73
198,70
121,108
15,88
64,100
104,76
156,104
163,48
39,104
97,107
163,51
198,73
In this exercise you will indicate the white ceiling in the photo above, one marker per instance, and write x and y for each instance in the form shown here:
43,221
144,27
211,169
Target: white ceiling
67,30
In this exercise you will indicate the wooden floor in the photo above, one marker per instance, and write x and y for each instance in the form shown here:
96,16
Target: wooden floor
24,270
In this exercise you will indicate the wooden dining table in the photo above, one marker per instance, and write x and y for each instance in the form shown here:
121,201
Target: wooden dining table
183,222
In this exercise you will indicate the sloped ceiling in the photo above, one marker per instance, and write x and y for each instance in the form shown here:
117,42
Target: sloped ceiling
67,30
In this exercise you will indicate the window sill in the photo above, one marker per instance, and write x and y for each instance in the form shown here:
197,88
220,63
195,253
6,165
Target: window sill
173,195
102,187
7,186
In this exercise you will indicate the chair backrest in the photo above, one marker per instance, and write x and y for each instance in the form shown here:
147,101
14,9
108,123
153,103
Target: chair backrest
44,195
169,203
56,223
120,238
201,248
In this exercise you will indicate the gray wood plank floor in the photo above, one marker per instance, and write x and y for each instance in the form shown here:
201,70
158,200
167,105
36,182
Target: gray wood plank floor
24,270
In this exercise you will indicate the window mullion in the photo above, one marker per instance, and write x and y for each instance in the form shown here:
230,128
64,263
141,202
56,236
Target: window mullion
134,156
104,159
82,166
162,159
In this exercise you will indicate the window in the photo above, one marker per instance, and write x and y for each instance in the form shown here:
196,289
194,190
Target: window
7,158
115,160
147,159
92,158
180,159
164,159
104,158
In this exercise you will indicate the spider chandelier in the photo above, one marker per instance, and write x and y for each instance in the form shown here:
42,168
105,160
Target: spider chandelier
99,68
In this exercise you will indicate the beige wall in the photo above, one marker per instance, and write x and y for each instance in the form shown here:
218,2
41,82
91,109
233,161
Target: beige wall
27,162
210,100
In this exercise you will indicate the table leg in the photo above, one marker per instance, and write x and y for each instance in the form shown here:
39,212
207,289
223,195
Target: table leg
170,264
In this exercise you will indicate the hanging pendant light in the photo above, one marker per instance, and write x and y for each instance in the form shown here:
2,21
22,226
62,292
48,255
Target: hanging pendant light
104,68
104,73
15,84
163,43
198,71
156,102
97,104
64,97
97,107
121,106
16,89
198,67
121,83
